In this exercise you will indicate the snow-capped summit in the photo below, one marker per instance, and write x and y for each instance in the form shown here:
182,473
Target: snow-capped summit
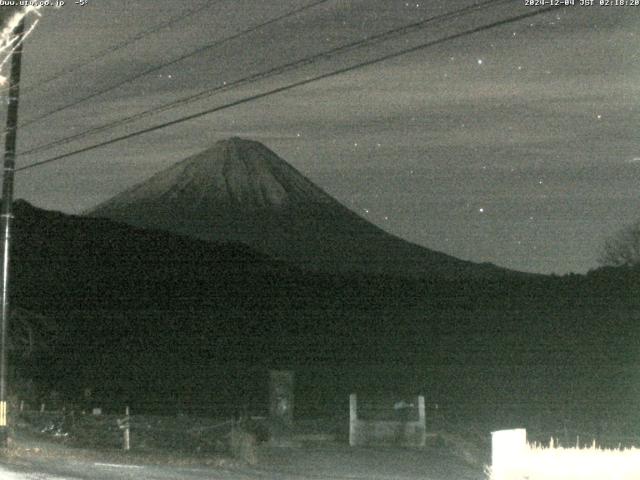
232,172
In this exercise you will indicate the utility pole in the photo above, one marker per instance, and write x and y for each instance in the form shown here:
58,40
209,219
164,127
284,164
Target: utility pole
5,219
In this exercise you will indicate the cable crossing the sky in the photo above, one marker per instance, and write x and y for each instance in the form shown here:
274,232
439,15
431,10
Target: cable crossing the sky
114,48
293,85
368,41
156,68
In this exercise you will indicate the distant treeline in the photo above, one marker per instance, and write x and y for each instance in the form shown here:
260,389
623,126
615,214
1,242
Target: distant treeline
154,319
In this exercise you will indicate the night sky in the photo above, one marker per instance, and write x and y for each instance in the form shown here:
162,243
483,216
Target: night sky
517,145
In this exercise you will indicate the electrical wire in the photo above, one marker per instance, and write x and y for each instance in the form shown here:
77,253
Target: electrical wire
114,48
293,85
368,41
172,62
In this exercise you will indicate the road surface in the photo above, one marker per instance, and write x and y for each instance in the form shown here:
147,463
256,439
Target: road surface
331,462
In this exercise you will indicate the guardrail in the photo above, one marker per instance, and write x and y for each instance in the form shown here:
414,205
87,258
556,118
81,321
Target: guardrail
127,431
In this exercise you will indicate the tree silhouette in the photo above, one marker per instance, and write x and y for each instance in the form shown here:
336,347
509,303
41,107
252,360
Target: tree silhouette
623,248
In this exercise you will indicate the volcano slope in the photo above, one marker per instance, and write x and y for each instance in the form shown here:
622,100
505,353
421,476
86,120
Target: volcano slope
240,191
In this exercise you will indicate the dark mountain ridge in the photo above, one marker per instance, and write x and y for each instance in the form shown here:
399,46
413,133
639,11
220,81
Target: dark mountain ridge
152,314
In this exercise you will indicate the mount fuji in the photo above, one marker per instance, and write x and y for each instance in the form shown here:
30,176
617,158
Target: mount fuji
240,191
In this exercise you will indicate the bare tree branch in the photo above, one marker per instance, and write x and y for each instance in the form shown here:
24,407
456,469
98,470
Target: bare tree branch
623,248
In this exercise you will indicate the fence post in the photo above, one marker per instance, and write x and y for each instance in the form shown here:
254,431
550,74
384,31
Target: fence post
127,438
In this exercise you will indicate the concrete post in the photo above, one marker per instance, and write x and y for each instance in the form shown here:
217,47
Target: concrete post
422,419
281,396
422,416
281,406
353,419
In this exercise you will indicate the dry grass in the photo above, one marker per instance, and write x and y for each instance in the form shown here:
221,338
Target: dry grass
559,463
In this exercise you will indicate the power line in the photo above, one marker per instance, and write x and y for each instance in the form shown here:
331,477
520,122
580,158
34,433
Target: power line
172,62
120,46
383,36
291,86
